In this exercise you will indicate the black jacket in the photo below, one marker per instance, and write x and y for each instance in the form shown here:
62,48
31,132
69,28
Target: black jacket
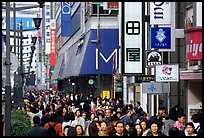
37,131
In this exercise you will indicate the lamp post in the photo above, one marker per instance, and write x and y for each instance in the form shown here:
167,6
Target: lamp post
7,63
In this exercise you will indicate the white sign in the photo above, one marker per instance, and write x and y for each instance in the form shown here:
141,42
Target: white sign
167,73
133,50
199,14
160,13
47,27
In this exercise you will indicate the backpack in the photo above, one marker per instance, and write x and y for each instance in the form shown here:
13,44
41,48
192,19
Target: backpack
51,130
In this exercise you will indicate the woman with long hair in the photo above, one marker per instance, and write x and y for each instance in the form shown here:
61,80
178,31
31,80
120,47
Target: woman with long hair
79,130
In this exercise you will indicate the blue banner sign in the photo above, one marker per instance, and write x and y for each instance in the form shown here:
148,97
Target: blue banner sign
66,23
161,37
27,23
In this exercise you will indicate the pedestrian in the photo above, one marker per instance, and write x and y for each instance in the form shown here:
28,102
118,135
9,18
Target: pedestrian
120,129
180,122
37,130
155,128
138,130
79,130
57,127
189,129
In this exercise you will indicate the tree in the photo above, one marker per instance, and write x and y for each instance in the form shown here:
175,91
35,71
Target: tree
20,123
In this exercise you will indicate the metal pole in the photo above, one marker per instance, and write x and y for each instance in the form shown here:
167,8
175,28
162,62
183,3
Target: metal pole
98,47
20,92
8,83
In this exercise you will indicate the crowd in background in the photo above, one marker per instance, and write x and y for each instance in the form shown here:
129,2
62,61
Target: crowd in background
72,115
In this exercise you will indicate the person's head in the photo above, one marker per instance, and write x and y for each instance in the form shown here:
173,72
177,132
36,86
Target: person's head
108,112
137,104
92,129
162,110
53,117
78,113
104,126
174,131
79,130
120,127
71,116
181,117
84,115
118,114
138,120
36,120
154,127
96,118
65,110
138,129
47,109
92,116
143,123
59,111
66,130
128,112
190,127
100,116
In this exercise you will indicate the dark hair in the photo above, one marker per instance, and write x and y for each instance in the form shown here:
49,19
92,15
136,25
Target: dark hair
36,119
47,109
190,124
119,122
181,114
103,121
162,108
174,131
81,128
140,128
79,112
59,111
138,103
92,129
53,117
71,116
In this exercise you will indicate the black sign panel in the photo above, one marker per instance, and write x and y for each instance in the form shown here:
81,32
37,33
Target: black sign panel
144,78
153,58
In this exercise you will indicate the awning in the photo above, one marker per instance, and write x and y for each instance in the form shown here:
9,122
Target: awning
58,67
85,62
191,75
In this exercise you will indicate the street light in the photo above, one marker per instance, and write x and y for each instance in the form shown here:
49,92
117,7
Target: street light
8,83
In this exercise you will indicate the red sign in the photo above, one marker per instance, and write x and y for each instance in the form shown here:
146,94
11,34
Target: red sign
110,5
52,43
194,44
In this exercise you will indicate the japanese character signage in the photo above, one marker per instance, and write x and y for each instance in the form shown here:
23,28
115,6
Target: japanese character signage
53,42
47,27
132,33
161,37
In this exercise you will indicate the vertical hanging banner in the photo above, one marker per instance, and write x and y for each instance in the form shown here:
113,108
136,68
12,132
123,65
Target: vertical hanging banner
47,27
160,13
53,42
66,22
133,38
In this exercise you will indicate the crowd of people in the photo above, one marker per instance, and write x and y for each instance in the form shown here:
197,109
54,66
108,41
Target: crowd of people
68,114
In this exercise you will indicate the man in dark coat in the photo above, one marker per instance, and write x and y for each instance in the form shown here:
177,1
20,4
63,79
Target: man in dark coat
36,130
